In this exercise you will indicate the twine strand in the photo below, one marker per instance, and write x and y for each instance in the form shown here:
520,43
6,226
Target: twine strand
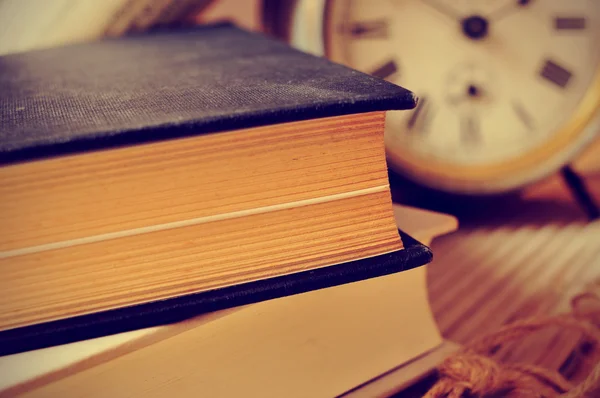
472,373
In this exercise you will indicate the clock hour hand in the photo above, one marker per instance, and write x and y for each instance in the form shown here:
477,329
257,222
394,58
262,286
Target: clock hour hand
444,9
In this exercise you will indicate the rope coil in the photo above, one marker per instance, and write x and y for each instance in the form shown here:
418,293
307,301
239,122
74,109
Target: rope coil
471,373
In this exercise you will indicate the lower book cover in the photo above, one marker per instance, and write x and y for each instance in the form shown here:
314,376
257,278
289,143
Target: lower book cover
414,254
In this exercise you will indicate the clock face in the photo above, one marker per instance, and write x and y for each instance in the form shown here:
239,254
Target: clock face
508,89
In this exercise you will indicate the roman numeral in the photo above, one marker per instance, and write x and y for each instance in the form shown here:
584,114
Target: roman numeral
415,114
386,70
422,114
556,74
572,23
377,29
523,115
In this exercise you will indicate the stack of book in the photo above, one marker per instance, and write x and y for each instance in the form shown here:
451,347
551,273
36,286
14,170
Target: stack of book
149,179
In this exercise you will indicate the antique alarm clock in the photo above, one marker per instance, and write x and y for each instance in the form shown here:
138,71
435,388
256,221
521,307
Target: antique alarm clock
509,90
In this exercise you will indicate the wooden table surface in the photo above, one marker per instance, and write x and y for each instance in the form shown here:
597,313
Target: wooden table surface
515,258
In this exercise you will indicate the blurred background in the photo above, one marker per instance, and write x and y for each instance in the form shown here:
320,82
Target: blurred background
509,90
504,136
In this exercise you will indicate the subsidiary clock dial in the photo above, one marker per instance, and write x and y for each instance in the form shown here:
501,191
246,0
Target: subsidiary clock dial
509,90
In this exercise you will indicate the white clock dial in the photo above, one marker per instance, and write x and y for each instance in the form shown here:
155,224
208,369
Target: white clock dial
498,82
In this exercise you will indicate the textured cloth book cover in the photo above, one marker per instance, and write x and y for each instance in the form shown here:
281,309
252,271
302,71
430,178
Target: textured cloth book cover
167,85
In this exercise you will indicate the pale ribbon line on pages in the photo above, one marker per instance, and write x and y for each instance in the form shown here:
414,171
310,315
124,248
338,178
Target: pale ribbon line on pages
190,222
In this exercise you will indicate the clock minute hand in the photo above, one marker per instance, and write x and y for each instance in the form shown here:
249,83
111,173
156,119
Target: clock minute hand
444,9
508,9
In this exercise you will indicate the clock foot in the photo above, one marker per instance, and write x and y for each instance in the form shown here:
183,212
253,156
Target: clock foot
580,192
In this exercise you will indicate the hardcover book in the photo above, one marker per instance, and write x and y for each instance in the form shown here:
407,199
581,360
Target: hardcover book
366,339
151,178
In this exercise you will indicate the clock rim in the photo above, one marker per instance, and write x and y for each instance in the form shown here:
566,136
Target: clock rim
566,142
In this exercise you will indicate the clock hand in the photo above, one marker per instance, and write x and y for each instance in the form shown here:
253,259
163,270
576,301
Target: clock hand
474,27
508,9
444,9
